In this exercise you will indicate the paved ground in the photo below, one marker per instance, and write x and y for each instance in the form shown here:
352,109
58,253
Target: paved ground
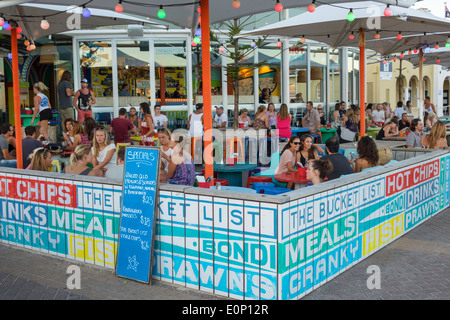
416,266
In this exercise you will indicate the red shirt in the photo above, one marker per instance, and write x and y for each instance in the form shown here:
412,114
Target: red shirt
121,126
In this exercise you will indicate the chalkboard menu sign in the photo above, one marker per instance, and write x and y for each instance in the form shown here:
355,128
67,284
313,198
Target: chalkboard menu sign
138,215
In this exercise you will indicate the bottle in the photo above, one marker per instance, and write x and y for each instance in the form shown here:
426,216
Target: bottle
218,186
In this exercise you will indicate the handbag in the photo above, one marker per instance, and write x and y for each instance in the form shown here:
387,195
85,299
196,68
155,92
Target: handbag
347,134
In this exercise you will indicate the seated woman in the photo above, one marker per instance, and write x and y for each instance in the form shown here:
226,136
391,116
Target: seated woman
368,155
437,138
79,159
308,151
261,120
79,136
103,151
166,144
41,160
317,171
181,168
389,129
350,128
68,134
245,118
429,120
288,159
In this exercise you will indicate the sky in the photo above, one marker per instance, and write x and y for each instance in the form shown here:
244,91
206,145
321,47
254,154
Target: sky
437,7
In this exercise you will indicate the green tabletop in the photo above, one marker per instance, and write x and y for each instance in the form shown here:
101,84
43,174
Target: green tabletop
327,133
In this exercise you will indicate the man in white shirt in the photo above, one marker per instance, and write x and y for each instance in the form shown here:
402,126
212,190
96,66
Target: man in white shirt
378,115
221,118
159,120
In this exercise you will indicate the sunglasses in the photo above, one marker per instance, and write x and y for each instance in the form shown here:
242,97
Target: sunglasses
297,143
320,109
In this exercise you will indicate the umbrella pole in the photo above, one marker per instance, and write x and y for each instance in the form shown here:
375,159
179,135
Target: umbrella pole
16,94
420,102
206,75
362,82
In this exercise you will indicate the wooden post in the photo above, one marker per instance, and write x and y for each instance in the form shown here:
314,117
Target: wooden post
206,80
362,82
16,93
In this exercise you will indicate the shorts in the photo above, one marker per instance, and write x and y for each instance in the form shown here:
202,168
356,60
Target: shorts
83,114
46,114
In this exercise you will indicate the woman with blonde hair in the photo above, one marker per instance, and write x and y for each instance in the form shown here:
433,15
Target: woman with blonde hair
103,151
79,159
41,160
437,138
41,106
350,127
284,122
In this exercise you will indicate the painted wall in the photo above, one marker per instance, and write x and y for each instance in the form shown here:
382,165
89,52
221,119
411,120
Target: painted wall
243,247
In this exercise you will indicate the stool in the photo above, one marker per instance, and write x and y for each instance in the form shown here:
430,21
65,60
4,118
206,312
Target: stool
260,187
317,138
235,145
258,179
276,190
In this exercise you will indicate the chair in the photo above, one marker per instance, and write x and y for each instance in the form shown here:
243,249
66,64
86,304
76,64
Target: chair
121,144
317,138
274,161
56,166
256,178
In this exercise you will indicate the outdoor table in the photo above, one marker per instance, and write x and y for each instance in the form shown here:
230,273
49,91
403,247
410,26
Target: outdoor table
26,119
136,139
327,133
233,173
299,181
395,138
299,130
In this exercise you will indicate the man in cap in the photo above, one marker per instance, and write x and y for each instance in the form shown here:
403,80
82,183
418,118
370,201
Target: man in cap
221,118
83,101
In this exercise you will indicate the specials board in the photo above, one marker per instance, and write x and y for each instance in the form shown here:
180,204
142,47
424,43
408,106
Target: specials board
138,213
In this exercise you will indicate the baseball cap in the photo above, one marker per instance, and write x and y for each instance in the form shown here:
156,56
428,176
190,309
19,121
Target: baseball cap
84,80
219,107
199,106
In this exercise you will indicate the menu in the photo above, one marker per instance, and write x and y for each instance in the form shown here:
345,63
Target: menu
138,216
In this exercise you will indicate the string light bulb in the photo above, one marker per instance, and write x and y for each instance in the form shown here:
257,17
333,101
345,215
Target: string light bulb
236,4
415,50
394,58
387,12
6,25
19,30
86,12
402,55
161,13
438,60
196,39
351,36
2,21
253,44
26,43
384,62
198,32
312,6
278,6
279,44
9,56
193,43
119,7
399,36
44,24
377,35
350,16
221,49
302,40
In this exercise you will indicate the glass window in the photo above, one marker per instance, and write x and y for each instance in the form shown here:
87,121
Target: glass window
297,75
334,83
269,74
170,72
96,67
133,61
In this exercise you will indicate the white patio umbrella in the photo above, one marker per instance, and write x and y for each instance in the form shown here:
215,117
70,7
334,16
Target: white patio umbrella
185,13
330,24
440,56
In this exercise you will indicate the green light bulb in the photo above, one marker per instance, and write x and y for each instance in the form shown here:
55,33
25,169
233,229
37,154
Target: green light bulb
351,16
197,39
161,13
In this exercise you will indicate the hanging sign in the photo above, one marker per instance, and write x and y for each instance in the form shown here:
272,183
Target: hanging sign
138,214
386,71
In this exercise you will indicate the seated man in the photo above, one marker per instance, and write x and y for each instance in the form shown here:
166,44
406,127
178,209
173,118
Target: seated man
116,172
404,122
340,163
6,159
121,127
29,143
